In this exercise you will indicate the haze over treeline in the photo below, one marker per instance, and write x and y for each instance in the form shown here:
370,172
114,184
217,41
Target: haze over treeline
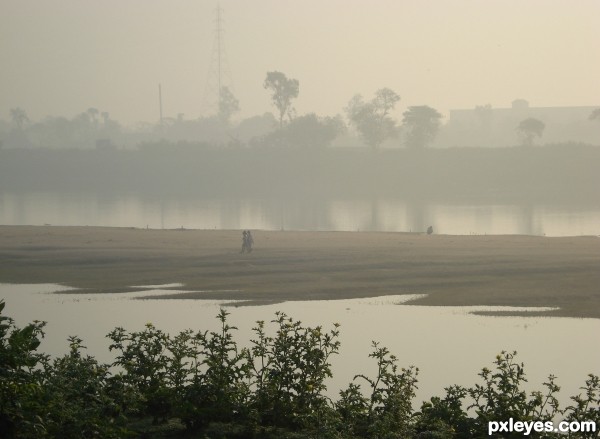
366,152
552,174
385,101
62,57
364,121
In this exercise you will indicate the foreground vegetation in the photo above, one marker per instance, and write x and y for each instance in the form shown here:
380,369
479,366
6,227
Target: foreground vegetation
202,384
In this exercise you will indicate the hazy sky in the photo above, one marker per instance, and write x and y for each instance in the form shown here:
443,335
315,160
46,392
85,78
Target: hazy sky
60,57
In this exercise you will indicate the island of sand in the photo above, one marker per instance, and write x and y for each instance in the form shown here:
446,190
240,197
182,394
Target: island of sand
518,271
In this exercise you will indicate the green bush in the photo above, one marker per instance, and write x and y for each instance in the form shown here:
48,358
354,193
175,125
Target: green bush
387,412
218,389
142,355
77,400
445,417
201,384
20,378
289,373
586,407
501,397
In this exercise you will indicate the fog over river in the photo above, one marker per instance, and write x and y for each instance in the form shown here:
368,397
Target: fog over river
302,213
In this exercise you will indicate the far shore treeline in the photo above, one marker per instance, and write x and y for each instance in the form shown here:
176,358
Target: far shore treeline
554,173
366,151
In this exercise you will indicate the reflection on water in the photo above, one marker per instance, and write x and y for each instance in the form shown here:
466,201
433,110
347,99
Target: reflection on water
448,344
295,213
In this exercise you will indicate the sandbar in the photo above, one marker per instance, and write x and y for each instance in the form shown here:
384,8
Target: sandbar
506,270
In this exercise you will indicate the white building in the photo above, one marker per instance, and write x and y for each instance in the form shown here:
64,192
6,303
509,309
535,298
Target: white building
485,126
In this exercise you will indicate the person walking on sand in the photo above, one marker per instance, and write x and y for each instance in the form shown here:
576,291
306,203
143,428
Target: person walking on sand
245,242
250,240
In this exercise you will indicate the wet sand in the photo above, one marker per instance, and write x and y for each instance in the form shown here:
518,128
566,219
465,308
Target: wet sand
451,270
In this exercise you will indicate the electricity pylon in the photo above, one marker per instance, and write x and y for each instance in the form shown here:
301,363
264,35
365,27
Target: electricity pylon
219,74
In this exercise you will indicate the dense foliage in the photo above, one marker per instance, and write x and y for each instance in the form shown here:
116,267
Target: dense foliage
202,384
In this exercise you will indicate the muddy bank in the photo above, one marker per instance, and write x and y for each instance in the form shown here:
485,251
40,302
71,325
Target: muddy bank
451,270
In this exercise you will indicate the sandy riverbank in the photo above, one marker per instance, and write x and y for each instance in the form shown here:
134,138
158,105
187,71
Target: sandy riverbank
451,270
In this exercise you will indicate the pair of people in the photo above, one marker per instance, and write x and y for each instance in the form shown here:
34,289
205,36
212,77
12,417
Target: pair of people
247,241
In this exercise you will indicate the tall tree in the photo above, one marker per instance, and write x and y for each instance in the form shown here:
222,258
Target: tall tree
228,104
19,117
93,114
284,91
372,119
422,124
595,115
529,129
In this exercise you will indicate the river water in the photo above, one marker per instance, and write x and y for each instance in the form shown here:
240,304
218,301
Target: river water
295,213
449,345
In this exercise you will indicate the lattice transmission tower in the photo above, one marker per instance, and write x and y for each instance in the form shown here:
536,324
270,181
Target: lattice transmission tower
219,74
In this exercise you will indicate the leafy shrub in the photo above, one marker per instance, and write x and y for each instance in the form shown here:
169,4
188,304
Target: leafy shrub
444,417
388,410
142,355
289,373
20,378
68,397
218,389
76,398
203,382
586,407
500,397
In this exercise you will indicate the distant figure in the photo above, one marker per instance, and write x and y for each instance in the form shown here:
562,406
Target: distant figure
247,241
250,240
429,230
244,241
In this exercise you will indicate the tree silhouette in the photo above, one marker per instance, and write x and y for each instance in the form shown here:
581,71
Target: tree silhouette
372,119
284,91
93,115
422,123
19,117
308,132
529,129
228,104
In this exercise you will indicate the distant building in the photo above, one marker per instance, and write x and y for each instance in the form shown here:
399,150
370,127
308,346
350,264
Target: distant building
485,126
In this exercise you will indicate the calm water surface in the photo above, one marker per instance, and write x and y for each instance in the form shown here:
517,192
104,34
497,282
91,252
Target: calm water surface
392,215
448,344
